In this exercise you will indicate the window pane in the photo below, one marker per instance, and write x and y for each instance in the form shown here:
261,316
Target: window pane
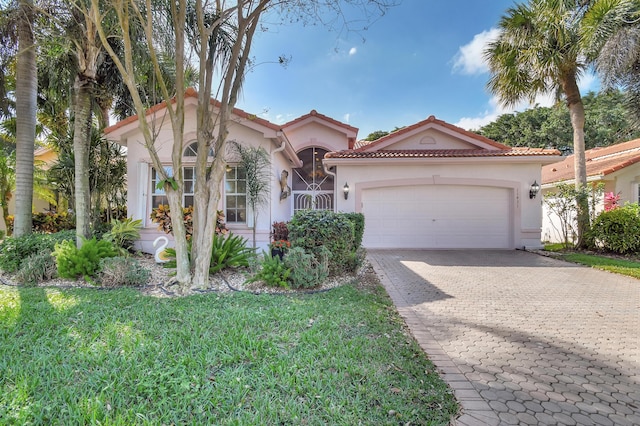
188,187
188,200
241,173
242,187
241,202
188,172
156,201
231,202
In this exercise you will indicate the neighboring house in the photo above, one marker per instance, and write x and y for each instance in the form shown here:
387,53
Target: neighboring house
430,185
616,166
44,158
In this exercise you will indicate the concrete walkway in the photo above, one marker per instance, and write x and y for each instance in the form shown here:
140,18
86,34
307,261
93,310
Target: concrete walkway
522,338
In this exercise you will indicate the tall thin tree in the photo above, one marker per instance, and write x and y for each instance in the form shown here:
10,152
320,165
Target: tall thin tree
538,52
26,92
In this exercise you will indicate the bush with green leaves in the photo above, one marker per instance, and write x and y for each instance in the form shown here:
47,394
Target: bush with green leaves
272,271
229,251
124,233
36,268
618,230
312,229
122,271
83,262
14,250
308,270
358,228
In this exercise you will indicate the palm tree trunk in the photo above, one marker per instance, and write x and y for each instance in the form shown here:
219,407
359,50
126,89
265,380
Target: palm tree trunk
576,113
26,91
81,143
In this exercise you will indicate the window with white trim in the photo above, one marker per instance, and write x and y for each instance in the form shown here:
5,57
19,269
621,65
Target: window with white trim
159,196
235,186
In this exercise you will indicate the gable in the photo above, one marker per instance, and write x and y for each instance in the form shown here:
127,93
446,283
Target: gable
316,134
432,134
429,139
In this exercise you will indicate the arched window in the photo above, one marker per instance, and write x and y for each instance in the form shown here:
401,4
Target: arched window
192,150
312,186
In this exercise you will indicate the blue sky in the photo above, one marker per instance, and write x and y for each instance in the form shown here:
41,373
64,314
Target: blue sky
424,57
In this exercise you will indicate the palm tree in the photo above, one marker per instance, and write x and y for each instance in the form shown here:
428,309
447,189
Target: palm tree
26,92
538,52
610,35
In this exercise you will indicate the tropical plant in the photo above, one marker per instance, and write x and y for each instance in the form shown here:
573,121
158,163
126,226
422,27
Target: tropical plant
162,216
610,32
124,233
26,94
256,164
228,251
273,272
537,52
279,231
74,262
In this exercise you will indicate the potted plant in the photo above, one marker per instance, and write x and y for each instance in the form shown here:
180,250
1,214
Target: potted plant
279,248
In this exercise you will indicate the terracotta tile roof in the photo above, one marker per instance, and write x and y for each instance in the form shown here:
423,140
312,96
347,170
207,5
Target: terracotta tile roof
444,153
365,145
191,93
600,162
315,113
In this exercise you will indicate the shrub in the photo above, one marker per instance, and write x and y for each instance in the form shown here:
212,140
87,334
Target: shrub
273,272
618,230
84,262
307,269
229,251
162,216
312,229
52,222
48,222
122,271
124,233
358,228
280,231
13,251
36,268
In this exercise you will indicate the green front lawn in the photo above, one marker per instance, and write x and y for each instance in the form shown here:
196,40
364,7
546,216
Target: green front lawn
117,357
629,267
619,266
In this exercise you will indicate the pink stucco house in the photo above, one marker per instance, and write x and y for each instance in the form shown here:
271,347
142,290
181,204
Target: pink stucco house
428,185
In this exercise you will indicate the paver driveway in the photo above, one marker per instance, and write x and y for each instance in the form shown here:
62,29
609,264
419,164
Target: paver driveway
522,338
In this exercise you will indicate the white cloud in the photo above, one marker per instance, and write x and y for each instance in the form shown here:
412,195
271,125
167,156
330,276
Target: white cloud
353,51
346,117
496,109
470,57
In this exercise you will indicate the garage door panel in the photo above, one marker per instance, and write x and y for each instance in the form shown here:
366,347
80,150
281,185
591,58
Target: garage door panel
437,216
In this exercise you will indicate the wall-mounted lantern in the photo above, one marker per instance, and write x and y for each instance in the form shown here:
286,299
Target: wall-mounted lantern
345,190
535,187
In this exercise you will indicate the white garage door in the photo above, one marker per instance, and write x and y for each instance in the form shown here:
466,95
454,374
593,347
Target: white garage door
437,216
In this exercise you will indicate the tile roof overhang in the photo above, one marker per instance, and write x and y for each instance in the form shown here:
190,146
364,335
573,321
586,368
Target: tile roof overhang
122,127
541,155
600,162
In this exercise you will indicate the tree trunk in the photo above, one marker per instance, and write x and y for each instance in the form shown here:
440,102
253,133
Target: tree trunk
81,145
26,91
576,113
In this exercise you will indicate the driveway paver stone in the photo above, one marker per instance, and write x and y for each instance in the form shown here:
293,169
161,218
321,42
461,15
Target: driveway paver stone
522,338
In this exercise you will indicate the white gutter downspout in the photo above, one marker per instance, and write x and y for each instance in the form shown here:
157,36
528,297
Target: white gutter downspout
335,184
279,135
